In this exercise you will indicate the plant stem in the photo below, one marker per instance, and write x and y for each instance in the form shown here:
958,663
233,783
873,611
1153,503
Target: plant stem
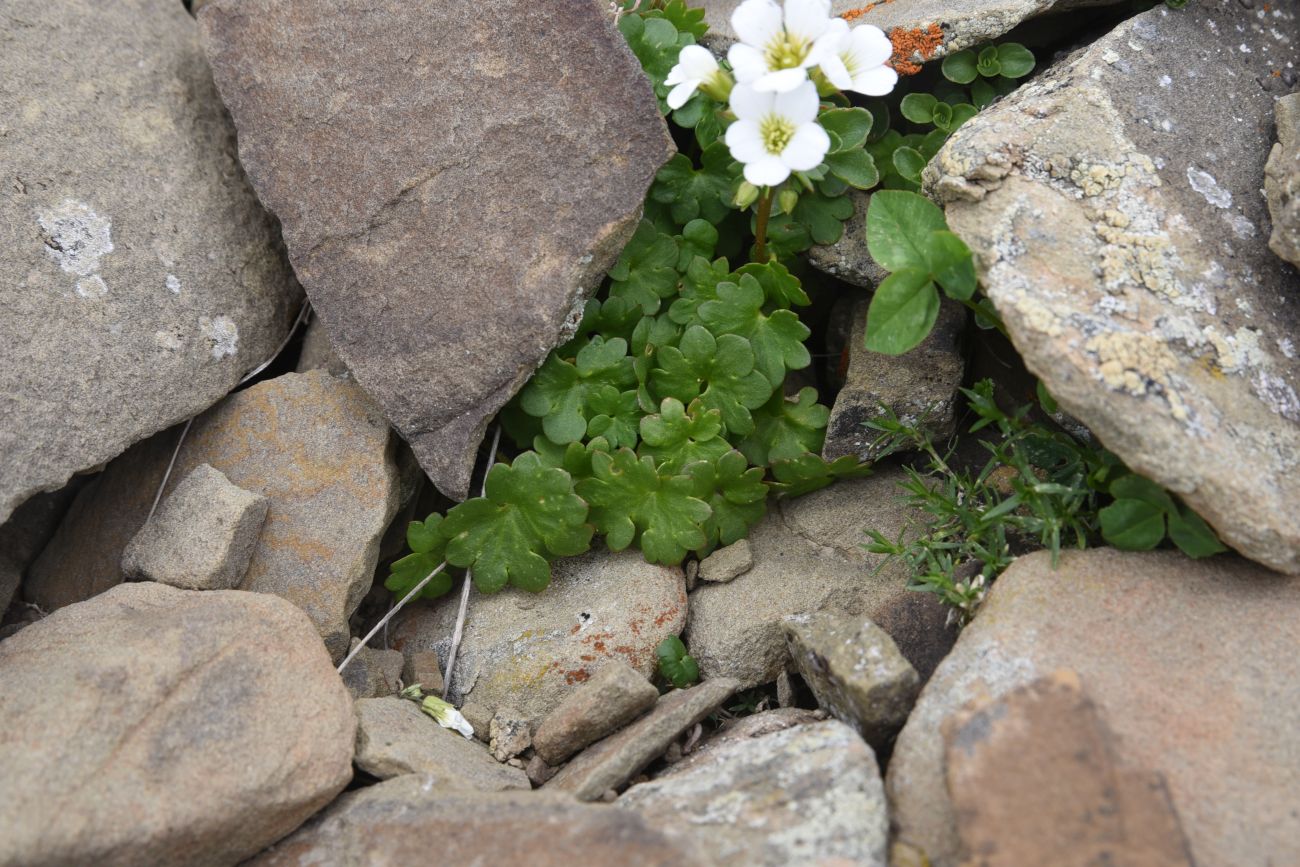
760,230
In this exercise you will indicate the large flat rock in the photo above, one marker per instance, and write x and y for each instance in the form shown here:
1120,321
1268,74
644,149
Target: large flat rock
152,725
139,277
1191,665
452,195
1126,250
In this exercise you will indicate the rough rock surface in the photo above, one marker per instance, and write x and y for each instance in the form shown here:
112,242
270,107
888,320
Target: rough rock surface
1125,250
855,670
202,536
808,557
509,734
529,650
317,353
727,563
611,763
808,795
136,267
513,172
395,737
926,28
26,532
160,726
920,386
374,673
848,258
314,445
1192,665
616,694
1282,180
410,820
1036,768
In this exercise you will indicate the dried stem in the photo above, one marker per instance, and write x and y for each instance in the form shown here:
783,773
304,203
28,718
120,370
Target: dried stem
389,616
760,229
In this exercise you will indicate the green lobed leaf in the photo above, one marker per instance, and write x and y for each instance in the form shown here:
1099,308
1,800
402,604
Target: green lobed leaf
719,371
776,339
856,168
811,472
560,393
898,225
686,19
678,435
785,428
734,491
902,312
676,665
692,193
427,544
646,272
780,287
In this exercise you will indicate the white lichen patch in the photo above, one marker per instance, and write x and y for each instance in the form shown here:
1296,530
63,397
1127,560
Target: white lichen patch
173,284
222,333
1206,184
1276,395
1137,364
76,237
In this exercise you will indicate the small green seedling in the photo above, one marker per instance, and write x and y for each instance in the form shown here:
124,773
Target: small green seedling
676,665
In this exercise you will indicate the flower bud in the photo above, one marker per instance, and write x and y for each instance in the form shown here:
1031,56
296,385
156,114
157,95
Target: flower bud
746,195
787,199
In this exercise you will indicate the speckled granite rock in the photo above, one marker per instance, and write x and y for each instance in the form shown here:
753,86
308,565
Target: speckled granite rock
1282,180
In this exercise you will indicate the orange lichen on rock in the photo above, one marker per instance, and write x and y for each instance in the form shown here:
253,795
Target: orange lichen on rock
914,47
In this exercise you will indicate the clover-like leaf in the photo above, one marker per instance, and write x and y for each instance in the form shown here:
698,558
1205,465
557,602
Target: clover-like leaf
823,216
698,238
1192,535
678,435
810,472
699,285
560,392
629,498
734,491
615,415
899,224
780,287
777,339
528,513
676,665
646,272
656,43
719,371
786,428
951,264
902,312
691,193
427,543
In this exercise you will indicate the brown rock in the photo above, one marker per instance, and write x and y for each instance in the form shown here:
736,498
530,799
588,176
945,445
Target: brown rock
424,668
373,673
615,695
411,820
1191,664
517,150
152,725
613,762
1034,780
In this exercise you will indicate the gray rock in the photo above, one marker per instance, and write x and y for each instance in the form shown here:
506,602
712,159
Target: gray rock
509,734
744,728
139,278
855,670
808,557
727,563
317,353
508,185
1125,252
315,446
529,650
848,258
612,762
374,673
404,820
395,737
920,386
202,536
612,698
1191,665
808,795
160,726
1282,180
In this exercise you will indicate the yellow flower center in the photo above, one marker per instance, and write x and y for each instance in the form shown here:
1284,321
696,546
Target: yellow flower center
776,132
786,51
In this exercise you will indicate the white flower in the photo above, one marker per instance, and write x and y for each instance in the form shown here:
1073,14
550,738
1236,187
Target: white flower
776,133
696,67
776,48
858,60
446,715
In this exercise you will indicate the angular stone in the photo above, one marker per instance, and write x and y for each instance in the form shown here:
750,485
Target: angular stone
531,650
848,258
403,820
202,536
1282,180
612,762
508,185
395,737
314,445
425,669
808,795
139,277
374,673
152,725
614,696
508,734
1191,664
1125,251
727,563
1033,780
919,386
808,556
855,670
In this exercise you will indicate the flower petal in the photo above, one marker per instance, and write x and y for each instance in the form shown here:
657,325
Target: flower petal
871,47
807,19
745,141
783,80
836,72
799,105
747,62
875,82
749,104
834,40
807,147
756,21
697,61
678,96
767,172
